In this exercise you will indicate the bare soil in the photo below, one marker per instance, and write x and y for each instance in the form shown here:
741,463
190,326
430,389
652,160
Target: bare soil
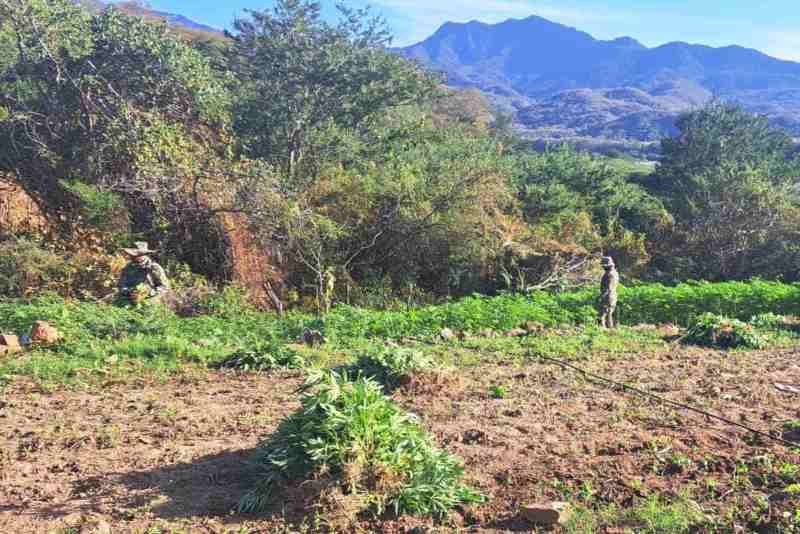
173,455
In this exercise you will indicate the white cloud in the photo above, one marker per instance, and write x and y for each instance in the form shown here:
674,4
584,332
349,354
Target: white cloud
783,44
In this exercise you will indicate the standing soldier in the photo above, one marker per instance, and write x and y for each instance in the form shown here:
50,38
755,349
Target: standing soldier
608,293
142,279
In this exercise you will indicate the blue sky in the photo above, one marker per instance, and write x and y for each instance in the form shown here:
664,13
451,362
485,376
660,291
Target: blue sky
772,26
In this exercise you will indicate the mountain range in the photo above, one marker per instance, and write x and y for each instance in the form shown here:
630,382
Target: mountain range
561,82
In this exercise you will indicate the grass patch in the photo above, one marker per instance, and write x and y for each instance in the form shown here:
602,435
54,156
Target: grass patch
350,433
570,343
654,515
657,515
102,340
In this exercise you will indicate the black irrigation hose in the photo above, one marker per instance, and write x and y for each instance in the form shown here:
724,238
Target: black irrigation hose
626,387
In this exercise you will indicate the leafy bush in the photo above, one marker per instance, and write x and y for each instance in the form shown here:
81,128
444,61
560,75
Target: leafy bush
350,431
474,313
389,365
714,331
768,321
200,298
100,207
29,266
263,358
498,392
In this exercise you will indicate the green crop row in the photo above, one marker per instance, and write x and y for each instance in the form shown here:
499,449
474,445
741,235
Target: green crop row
99,336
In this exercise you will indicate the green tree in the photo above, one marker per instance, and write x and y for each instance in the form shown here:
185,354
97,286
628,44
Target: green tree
561,189
408,201
111,101
718,135
729,180
298,73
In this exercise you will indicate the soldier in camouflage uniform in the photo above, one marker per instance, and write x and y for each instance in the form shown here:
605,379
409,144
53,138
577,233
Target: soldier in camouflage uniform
608,293
142,279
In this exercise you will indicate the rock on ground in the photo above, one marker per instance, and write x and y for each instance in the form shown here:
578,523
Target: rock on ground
9,344
44,333
554,513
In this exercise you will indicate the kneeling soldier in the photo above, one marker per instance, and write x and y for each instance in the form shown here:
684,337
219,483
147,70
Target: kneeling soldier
142,279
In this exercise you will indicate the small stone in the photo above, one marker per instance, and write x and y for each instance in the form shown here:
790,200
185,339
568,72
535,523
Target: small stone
44,333
554,513
10,343
471,437
670,330
73,519
517,332
532,327
447,335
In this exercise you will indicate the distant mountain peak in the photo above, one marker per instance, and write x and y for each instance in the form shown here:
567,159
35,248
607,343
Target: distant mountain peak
627,41
562,77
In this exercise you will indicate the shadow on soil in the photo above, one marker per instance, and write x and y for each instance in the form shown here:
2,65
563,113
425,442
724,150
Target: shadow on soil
210,486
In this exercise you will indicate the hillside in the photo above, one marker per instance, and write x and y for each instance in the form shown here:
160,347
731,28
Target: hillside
180,23
564,82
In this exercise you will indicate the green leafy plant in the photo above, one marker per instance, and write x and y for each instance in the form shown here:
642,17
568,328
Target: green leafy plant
498,392
714,331
98,205
350,431
220,324
684,303
389,365
263,358
768,321
789,472
791,425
